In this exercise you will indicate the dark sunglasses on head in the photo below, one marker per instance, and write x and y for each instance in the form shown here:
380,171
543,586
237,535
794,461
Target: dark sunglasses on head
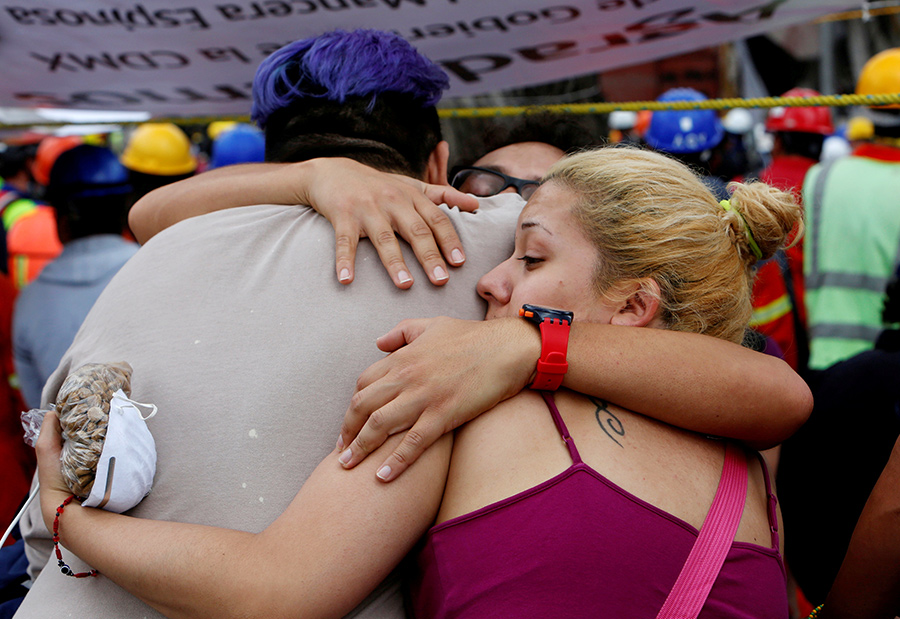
483,182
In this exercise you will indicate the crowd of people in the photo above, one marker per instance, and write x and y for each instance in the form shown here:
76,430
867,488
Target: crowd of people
242,275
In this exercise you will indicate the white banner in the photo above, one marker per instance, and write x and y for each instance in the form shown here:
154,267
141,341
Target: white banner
191,58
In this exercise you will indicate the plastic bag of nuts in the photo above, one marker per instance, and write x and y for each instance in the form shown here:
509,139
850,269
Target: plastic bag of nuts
83,405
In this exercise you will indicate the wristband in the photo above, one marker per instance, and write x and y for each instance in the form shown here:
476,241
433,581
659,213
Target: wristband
63,566
554,325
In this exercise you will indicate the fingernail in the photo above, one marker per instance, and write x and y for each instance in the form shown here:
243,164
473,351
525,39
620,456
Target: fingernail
383,473
456,256
404,277
340,443
440,273
345,275
345,457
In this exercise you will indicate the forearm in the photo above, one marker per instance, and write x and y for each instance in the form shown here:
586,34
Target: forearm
179,569
340,536
228,187
868,583
692,381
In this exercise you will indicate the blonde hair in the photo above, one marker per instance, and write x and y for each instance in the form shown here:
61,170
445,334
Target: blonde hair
651,218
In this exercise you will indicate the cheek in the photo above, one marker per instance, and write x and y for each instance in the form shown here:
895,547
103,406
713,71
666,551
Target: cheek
571,290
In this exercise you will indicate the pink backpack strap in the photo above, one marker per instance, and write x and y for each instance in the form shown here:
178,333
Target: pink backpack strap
701,569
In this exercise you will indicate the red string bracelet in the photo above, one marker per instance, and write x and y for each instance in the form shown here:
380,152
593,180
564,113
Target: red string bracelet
63,566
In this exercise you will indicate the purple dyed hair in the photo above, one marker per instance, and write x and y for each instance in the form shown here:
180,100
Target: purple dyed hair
342,64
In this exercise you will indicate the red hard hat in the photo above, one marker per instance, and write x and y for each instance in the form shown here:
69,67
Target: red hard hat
48,150
801,119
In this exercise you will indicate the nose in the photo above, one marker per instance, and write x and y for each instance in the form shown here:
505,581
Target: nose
494,286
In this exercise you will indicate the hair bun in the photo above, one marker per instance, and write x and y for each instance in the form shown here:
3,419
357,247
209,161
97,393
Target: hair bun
762,219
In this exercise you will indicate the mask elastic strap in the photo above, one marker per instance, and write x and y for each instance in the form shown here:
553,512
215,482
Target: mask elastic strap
139,406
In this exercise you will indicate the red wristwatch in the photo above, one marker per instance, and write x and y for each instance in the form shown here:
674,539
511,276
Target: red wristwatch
554,325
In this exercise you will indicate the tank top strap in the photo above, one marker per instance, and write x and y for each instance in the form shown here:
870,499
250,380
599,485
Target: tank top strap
773,502
561,426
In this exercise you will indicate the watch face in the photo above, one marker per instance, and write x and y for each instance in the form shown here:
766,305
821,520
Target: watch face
538,314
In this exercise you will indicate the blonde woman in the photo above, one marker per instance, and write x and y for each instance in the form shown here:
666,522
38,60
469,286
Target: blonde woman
528,524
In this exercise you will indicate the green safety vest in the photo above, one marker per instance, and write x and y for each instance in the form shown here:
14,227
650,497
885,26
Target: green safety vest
851,250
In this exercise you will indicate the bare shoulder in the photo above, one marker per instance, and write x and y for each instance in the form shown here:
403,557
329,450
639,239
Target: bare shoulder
516,429
508,449
518,410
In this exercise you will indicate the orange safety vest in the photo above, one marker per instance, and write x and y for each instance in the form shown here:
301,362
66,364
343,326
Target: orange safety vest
779,311
31,236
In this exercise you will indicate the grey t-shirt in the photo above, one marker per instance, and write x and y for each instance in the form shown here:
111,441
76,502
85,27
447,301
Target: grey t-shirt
238,330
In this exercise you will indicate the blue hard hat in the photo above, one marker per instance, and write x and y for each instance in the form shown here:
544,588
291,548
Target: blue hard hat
87,171
242,144
684,131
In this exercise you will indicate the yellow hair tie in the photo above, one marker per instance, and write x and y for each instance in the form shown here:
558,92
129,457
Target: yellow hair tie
726,205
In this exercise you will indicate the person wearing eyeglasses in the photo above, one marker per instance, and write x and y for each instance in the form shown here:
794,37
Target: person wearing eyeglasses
518,156
484,182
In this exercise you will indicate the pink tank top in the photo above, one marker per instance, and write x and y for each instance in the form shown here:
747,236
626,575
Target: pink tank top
577,545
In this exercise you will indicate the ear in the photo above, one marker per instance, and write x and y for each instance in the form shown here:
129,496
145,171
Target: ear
436,170
640,307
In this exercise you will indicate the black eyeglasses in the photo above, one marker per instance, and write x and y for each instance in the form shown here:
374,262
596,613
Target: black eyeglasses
483,182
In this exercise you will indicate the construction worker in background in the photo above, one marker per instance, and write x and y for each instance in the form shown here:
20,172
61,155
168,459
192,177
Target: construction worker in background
48,151
849,259
89,191
29,239
736,155
853,229
157,154
239,144
779,310
688,135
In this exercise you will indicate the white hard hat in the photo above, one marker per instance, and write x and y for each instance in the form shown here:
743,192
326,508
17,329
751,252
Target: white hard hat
738,121
622,120
835,146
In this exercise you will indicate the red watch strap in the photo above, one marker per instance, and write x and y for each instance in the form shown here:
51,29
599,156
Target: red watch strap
552,366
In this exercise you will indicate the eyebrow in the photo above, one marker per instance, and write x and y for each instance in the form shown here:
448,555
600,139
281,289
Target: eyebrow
530,223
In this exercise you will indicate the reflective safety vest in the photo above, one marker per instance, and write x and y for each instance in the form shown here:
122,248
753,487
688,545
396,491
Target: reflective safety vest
31,237
852,246
778,305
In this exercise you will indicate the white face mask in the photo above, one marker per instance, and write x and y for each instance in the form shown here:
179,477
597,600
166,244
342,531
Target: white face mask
108,459
127,463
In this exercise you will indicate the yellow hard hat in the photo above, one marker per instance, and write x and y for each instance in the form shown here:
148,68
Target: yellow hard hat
161,149
881,75
860,128
218,127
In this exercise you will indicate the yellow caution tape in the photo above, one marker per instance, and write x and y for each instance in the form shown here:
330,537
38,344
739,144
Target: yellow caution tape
709,104
597,108
858,14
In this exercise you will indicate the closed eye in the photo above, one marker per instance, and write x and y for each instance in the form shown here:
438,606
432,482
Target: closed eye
531,261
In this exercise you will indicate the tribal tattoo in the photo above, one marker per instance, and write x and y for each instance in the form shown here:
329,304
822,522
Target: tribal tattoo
607,420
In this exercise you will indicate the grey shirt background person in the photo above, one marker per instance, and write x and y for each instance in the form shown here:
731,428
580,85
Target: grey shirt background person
251,358
52,307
